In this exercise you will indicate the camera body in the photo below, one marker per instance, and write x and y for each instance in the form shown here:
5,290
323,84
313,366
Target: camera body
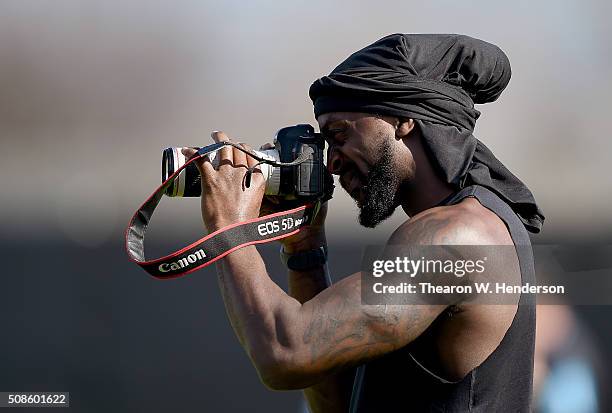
308,180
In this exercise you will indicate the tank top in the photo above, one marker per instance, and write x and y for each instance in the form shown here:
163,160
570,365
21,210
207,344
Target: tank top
397,382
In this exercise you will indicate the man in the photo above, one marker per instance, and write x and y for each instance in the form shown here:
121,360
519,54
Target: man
398,116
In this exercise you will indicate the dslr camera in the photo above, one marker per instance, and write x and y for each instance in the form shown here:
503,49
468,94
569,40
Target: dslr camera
305,179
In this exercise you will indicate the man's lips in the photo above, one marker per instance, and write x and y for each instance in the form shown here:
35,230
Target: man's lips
352,183
358,195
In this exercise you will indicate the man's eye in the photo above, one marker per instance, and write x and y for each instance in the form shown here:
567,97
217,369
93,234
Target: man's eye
334,136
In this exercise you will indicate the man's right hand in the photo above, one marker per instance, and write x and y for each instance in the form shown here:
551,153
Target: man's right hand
309,237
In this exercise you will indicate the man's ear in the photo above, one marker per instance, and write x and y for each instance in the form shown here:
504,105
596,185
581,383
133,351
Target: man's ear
404,127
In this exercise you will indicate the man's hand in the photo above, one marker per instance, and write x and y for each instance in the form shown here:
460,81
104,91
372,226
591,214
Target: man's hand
309,237
225,198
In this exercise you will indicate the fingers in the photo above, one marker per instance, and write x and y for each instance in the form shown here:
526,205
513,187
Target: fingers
188,152
219,136
267,145
225,154
203,164
250,160
240,158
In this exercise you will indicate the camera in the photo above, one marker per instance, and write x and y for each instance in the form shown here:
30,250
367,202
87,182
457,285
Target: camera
308,179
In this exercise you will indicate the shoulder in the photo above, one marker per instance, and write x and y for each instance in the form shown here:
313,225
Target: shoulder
465,223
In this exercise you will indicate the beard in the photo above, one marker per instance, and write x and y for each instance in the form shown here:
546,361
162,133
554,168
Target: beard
380,194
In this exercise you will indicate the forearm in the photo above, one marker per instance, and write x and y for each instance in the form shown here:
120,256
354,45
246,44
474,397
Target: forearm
271,327
256,306
333,393
304,285
268,324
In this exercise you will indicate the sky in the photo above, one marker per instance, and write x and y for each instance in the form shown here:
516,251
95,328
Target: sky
93,91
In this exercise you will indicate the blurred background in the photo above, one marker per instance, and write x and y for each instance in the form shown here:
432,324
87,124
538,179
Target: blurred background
90,94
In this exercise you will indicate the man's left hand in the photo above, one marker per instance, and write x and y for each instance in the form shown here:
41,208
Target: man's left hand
225,198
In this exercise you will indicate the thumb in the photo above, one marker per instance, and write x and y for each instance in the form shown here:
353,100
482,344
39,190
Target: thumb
188,152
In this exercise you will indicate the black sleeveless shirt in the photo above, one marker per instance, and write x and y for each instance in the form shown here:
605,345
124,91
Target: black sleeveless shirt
397,382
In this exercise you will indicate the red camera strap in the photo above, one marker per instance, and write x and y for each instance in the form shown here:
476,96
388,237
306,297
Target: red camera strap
216,245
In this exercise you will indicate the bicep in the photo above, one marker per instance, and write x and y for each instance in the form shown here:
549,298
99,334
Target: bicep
338,331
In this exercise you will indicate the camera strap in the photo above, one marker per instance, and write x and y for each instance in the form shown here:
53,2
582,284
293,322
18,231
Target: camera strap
218,244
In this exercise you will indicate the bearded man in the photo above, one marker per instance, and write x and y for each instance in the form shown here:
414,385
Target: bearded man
398,117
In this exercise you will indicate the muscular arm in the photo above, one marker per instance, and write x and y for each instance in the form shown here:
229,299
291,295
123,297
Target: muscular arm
292,342
333,393
296,343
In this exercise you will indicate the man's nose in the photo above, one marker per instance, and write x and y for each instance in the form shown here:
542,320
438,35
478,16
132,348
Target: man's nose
334,161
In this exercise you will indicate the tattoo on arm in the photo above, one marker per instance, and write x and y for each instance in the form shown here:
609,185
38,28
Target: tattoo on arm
341,332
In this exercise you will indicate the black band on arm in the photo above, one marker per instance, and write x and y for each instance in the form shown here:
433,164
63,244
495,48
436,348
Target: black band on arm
304,260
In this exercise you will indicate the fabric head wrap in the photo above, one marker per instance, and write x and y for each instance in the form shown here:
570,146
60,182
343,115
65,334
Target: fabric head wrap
434,79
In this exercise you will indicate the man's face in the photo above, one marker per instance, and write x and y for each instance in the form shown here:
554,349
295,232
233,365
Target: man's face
362,152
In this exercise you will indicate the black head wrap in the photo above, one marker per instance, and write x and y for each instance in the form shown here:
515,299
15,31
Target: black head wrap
434,79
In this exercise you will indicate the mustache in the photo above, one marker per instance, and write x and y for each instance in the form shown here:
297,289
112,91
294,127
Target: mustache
362,183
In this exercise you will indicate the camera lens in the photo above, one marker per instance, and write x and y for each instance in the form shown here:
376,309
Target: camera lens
187,183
